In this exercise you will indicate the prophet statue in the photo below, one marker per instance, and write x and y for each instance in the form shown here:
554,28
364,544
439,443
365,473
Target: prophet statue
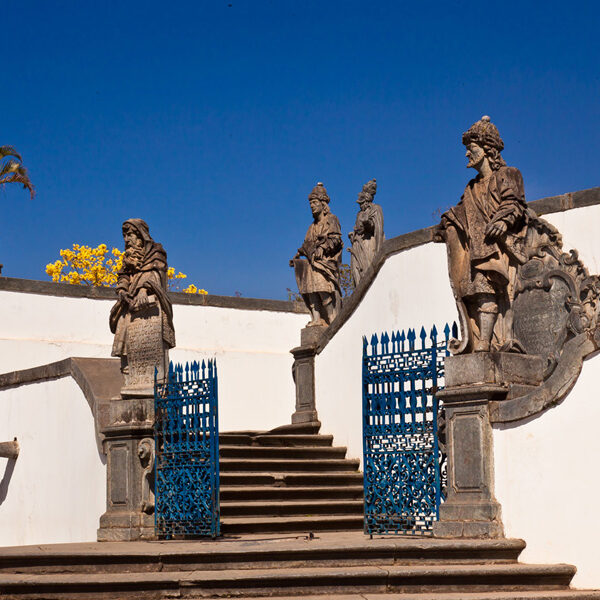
317,262
485,235
142,318
368,235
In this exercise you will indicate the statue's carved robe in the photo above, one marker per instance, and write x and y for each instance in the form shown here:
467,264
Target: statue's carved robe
366,244
321,274
477,264
150,274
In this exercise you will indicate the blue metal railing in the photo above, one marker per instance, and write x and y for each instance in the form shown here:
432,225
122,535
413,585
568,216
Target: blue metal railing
402,459
187,451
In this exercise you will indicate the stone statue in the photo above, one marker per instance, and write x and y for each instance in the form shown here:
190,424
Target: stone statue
367,236
142,318
516,289
485,234
318,274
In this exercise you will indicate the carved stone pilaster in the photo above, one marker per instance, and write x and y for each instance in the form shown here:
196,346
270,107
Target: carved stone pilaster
473,381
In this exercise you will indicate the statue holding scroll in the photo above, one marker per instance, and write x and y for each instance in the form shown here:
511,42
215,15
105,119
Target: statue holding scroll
317,262
367,236
142,318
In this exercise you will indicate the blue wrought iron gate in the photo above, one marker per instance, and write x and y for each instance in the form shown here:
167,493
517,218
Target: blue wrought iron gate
402,473
187,451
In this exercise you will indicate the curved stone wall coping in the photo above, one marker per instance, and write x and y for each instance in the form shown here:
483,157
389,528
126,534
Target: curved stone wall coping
48,288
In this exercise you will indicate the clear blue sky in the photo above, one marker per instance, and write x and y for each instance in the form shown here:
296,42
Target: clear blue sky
212,119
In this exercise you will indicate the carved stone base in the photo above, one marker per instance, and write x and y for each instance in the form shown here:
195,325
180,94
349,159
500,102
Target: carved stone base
494,368
303,371
472,381
129,447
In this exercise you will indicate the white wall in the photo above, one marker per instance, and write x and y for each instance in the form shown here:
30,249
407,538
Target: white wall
55,491
252,347
547,480
410,290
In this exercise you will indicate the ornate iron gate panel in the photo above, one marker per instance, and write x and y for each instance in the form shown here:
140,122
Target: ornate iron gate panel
187,451
402,472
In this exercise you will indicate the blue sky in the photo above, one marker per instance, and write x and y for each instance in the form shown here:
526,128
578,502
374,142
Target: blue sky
212,120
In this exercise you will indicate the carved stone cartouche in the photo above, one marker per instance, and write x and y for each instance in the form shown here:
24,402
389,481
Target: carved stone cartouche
317,262
367,235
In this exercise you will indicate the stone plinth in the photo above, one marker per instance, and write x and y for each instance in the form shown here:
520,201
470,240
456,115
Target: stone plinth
303,371
472,381
129,448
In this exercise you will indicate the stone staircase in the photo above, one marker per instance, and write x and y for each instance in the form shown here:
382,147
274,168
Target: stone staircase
340,566
291,513
290,479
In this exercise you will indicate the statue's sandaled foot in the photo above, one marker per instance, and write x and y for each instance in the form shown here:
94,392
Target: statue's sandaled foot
514,346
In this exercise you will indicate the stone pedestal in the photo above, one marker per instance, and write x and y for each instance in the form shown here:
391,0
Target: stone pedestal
303,371
129,447
472,381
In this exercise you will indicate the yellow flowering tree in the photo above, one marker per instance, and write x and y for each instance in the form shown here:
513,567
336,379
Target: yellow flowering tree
84,265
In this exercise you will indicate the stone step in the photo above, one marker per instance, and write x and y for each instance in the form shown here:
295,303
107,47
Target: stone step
305,479
302,507
280,582
293,440
287,465
266,493
506,595
291,524
327,549
281,452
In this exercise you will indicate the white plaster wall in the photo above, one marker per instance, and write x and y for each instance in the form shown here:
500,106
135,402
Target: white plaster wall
55,491
410,290
256,389
547,480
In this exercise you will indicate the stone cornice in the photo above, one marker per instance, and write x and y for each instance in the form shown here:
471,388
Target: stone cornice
48,288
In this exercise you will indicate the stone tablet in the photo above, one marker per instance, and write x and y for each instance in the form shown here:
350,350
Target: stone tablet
145,349
540,319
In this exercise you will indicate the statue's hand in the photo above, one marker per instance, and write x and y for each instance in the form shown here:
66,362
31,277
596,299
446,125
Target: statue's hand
351,236
318,253
141,300
496,230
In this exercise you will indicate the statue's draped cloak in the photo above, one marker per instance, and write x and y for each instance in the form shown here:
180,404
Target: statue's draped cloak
366,244
323,273
476,261
150,274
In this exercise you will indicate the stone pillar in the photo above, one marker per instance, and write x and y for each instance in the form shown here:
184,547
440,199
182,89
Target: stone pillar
303,371
129,513
472,380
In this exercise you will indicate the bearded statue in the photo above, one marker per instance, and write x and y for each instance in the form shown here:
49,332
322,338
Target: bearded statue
142,318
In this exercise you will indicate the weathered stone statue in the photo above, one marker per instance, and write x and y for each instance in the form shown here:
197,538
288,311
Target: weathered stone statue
367,236
318,273
485,234
142,318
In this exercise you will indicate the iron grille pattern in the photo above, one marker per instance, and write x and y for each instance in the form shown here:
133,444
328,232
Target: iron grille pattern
402,458
187,451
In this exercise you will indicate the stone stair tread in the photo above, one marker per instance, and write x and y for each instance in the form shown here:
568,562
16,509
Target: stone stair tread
286,461
267,473
298,488
277,574
292,503
308,519
570,594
